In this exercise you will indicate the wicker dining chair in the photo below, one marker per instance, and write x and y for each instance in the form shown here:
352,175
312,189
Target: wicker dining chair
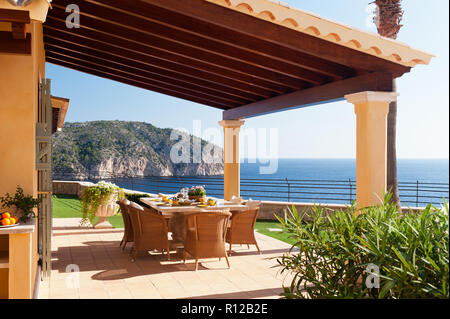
128,236
150,231
242,229
205,235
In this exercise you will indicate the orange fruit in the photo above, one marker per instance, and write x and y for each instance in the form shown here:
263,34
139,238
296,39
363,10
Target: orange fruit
12,221
15,219
6,221
6,215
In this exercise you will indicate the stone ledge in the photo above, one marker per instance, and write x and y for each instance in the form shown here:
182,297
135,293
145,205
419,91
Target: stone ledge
23,228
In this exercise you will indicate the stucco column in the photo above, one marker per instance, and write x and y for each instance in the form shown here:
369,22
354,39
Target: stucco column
371,110
231,179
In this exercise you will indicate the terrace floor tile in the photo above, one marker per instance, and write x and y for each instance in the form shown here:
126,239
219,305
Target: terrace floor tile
105,271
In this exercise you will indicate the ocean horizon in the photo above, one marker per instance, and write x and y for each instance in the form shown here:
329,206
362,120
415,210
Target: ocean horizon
408,169
421,181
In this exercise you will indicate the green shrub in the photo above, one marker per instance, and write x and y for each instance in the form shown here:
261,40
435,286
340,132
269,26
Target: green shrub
410,249
134,197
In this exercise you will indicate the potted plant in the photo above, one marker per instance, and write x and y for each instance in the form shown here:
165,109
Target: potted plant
100,201
197,192
23,204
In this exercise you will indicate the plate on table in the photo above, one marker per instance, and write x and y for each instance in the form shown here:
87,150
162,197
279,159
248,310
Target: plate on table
8,226
162,204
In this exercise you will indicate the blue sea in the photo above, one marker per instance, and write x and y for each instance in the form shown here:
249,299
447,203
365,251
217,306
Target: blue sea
421,181
408,170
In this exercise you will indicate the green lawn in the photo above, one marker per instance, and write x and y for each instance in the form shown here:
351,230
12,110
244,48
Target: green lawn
69,206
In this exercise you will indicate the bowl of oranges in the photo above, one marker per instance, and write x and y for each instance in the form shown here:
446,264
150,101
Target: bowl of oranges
6,220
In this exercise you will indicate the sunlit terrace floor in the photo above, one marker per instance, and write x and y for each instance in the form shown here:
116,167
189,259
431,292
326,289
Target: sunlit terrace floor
107,272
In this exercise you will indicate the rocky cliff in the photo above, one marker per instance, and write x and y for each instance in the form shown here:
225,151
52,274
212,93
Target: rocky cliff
102,148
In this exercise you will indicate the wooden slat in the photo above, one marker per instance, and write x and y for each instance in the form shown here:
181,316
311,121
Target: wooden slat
120,14
209,54
116,26
279,35
110,76
11,15
320,94
226,36
58,46
19,30
136,74
151,55
14,46
145,75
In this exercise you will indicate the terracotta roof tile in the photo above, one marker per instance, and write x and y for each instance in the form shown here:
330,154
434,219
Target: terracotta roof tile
303,21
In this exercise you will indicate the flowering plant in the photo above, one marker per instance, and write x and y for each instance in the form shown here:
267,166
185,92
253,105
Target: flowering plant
97,195
197,191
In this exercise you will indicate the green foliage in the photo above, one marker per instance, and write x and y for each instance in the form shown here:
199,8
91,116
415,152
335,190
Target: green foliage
97,195
22,202
134,197
411,251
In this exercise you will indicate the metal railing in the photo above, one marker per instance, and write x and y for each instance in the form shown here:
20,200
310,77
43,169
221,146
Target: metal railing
414,193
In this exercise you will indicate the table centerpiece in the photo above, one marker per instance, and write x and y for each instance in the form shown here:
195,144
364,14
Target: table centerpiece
197,193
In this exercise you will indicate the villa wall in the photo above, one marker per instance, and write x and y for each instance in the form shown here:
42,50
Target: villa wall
270,209
19,79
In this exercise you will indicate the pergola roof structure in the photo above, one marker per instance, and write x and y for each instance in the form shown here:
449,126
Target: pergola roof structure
246,58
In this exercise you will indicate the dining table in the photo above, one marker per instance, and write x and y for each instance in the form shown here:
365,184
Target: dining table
176,215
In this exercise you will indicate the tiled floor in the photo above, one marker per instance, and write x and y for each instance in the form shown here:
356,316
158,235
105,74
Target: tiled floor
107,272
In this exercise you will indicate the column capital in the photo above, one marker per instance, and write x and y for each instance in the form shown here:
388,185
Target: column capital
371,96
231,123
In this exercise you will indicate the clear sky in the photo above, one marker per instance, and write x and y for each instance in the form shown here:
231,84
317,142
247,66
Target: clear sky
325,131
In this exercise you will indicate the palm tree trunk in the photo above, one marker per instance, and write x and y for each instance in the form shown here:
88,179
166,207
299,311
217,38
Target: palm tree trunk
392,178
388,17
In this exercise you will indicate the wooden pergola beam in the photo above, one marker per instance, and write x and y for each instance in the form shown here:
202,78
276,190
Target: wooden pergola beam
144,76
10,45
19,30
19,19
212,55
139,17
119,25
225,36
145,53
326,93
110,76
279,35
16,16
176,72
